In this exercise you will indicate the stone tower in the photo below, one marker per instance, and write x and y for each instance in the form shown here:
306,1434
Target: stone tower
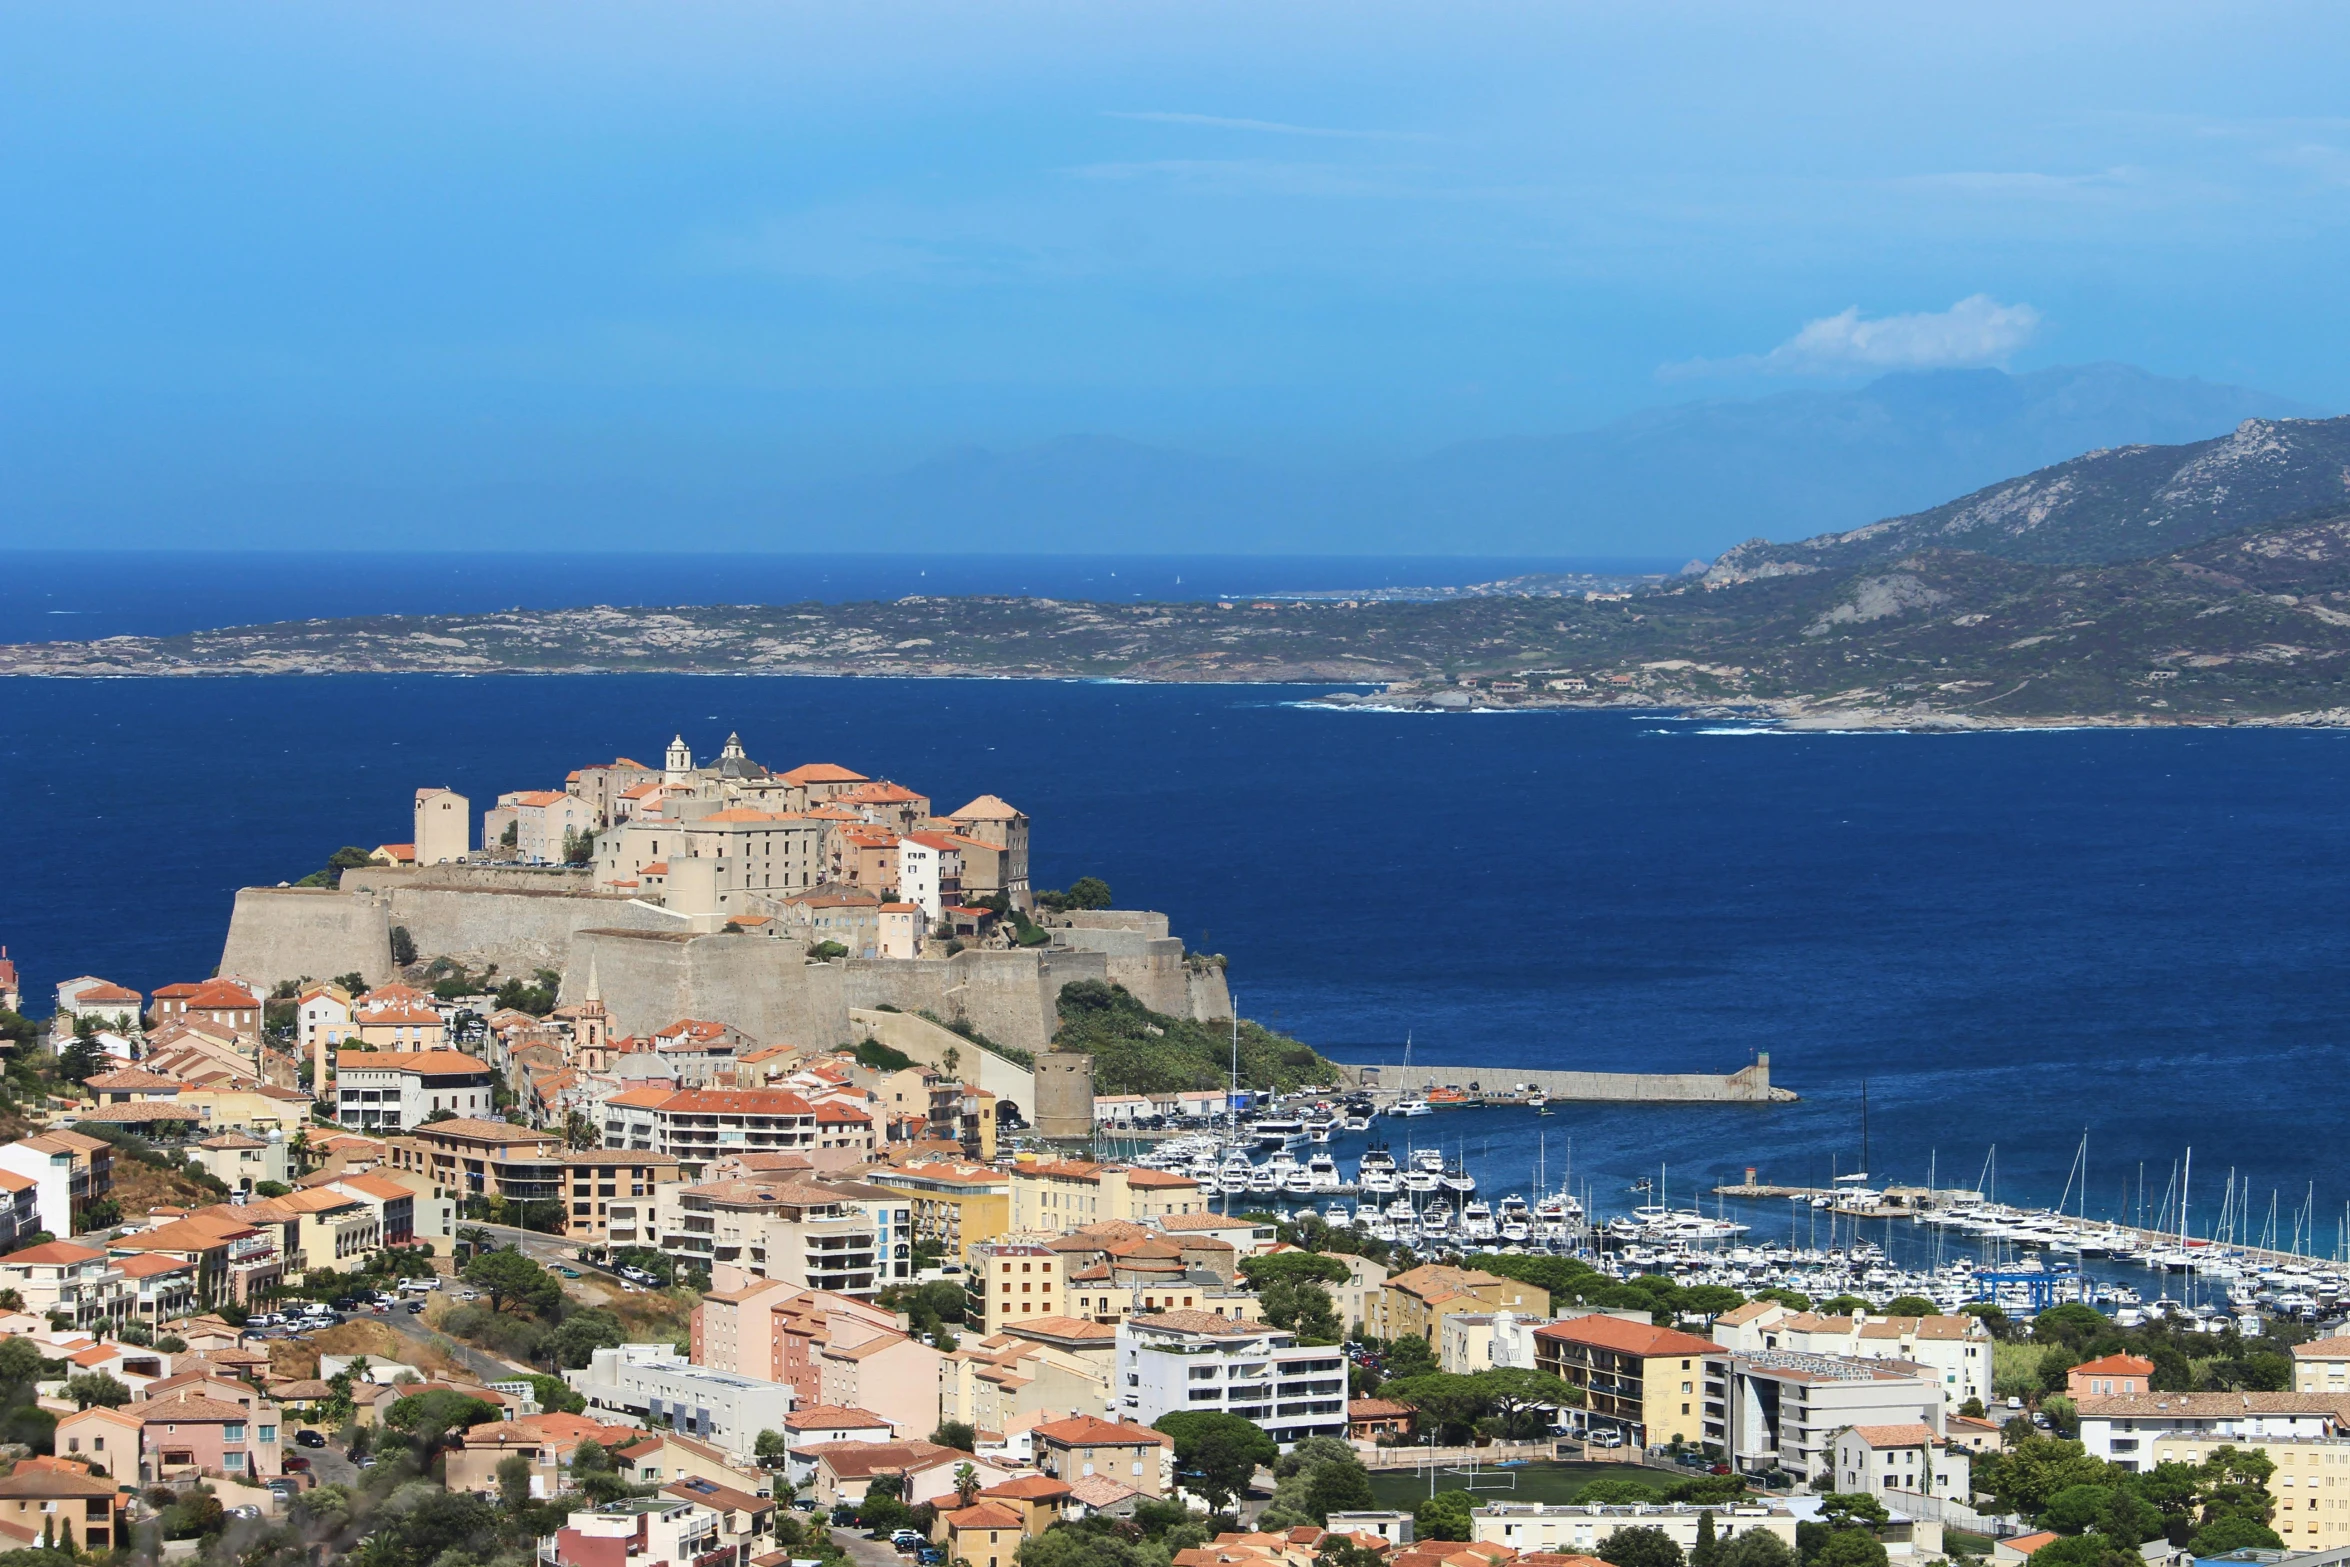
678,766
1064,1094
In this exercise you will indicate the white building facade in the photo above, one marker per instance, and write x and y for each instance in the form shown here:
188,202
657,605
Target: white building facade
1195,1361
651,1382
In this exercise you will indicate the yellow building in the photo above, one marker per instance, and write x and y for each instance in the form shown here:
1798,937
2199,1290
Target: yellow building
1008,1280
956,1205
1415,1304
1647,1382
1055,1196
2322,1366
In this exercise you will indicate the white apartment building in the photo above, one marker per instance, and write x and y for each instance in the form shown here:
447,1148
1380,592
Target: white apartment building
930,872
1904,1458
2136,1431
653,1382
88,996
1565,1529
794,1232
70,1280
1956,1348
391,1091
322,1016
1192,1360
1782,1408
699,1124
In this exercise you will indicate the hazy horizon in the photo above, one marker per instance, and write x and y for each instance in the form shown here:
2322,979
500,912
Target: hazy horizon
284,274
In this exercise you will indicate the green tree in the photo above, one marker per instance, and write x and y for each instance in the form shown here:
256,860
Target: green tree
432,1415
1706,1550
2088,1550
2076,1507
1849,1548
555,1396
96,1387
1755,1548
509,1276
403,954
2173,1489
1218,1454
576,1339
2235,1485
1641,1547
1445,1516
1301,1307
513,1482
2072,1324
1853,1509
1089,892
2234,1534
1615,1493
956,1434
1522,1399
2129,1519
2026,1475
1911,1306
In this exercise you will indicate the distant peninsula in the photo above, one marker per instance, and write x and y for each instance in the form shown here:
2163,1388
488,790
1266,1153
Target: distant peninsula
2204,583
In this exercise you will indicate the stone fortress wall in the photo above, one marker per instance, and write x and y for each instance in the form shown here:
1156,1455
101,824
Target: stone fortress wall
651,974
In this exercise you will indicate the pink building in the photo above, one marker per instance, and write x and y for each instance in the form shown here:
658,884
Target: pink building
187,1435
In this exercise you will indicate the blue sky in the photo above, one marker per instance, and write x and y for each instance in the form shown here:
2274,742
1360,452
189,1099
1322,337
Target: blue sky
767,243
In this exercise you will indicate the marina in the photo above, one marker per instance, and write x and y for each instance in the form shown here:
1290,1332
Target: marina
1405,1176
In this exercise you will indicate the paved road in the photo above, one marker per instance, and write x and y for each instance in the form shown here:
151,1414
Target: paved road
867,1553
483,1364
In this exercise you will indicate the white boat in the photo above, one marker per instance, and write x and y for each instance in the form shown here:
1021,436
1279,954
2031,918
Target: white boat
1263,1183
1378,1183
1413,1107
1429,1159
1298,1183
1458,1180
1322,1170
1278,1132
1477,1223
1423,1182
1358,1123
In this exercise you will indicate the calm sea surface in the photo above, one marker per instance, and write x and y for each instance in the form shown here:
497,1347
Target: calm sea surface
2012,938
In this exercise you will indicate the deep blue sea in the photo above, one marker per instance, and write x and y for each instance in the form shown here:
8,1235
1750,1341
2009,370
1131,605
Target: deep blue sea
2012,938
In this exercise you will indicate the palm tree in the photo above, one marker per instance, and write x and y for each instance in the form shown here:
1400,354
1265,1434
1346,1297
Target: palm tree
966,1483
476,1239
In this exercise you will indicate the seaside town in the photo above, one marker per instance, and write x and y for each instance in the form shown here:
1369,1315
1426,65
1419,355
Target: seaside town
715,1166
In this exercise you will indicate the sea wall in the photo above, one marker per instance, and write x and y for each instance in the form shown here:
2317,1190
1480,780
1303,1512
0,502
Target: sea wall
1750,1085
765,987
282,933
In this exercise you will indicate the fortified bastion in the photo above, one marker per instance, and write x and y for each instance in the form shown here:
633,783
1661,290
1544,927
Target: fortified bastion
651,972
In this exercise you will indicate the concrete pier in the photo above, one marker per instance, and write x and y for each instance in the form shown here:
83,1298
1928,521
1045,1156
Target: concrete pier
1749,1085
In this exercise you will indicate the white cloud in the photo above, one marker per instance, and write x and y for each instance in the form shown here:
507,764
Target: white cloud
1978,330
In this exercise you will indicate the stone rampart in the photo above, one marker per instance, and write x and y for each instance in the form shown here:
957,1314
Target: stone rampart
1141,922
924,1041
1153,968
519,930
1007,995
469,878
282,933
765,987
1749,1085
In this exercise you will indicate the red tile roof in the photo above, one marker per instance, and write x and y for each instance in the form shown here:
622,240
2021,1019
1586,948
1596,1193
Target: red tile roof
1630,1338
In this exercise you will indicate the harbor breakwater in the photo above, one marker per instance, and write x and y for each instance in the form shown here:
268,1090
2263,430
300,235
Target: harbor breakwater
1748,1085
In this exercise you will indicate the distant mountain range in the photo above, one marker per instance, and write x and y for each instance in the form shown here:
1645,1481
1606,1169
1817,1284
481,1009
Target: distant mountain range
2207,581
1687,480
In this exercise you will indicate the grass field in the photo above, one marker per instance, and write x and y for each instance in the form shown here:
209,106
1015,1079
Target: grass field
1520,1483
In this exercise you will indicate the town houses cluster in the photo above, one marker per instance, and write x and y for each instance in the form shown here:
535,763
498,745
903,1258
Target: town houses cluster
821,853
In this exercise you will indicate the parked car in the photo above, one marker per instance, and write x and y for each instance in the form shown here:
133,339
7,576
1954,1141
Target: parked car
905,1539
569,1273
309,1439
295,1463
416,1306
930,1556
469,1295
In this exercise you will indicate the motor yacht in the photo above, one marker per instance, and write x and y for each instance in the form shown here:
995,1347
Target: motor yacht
1409,1108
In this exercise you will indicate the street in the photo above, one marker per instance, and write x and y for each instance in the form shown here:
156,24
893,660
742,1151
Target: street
867,1553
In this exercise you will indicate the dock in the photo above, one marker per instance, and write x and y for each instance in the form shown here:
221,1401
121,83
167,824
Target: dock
1502,1084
